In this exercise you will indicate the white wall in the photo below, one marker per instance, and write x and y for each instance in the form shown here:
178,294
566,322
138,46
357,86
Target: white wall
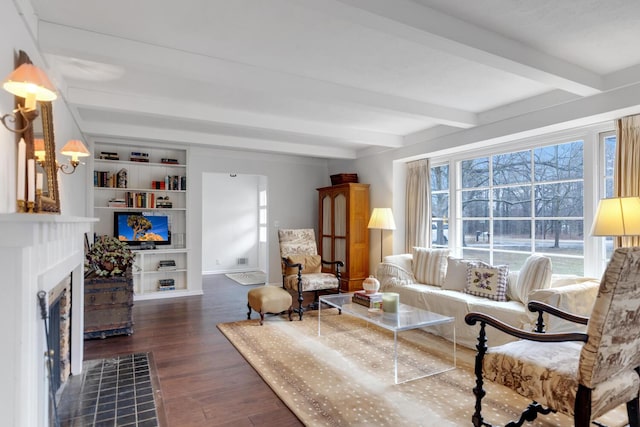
291,193
229,222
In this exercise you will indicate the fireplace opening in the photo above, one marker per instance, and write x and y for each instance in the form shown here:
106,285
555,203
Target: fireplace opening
54,343
60,334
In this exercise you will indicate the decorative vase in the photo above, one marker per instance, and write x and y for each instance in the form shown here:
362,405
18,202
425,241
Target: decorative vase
371,285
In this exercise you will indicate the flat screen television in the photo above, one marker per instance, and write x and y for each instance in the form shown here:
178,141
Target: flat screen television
135,228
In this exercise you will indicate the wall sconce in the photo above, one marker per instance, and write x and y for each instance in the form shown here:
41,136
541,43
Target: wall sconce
74,149
31,83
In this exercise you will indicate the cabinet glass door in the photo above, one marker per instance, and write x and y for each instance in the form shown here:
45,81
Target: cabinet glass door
340,228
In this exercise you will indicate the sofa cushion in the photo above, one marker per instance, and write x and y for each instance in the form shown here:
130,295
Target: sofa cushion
535,274
402,260
487,281
310,264
456,278
430,265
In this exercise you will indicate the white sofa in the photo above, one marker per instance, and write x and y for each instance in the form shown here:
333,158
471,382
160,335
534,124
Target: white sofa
446,295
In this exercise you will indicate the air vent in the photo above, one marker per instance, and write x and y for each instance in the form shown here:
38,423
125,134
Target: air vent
243,261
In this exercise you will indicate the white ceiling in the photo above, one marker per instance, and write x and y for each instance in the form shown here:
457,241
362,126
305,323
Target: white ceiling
327,78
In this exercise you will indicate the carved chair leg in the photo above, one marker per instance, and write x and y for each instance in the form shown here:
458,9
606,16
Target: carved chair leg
633,412
261,317
478,390
582,409
300,309
249,312
290,311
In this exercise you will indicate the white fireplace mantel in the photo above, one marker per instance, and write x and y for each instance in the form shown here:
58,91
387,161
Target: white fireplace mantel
37,251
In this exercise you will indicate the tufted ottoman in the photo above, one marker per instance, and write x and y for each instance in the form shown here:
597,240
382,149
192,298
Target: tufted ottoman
269,299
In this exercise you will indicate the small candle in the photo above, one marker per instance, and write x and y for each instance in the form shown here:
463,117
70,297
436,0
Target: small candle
31,180
390,302
39,181
22,150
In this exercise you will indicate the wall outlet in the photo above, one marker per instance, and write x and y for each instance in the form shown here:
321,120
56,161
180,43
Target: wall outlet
217,262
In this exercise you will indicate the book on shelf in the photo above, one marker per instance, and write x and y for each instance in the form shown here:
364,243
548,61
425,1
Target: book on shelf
166,285
166,265
169,161
158,185
117,203
104,179
105,155
175,182
137,156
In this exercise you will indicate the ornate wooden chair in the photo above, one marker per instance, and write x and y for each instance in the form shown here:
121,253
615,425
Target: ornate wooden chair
583,375
301,266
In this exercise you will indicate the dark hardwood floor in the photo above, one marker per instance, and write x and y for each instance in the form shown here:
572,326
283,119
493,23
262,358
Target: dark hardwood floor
204,380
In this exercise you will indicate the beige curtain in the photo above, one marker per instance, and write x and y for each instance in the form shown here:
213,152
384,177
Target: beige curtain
418,205
626,175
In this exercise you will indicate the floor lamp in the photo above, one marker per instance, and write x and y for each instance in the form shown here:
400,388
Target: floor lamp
382,219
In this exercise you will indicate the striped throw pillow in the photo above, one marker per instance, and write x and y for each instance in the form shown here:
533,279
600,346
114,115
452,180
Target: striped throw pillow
430,265
534,274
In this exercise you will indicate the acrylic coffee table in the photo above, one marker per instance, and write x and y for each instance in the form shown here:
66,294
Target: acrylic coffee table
406,318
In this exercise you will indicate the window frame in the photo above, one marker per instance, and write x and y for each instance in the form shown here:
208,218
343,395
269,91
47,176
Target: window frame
593,184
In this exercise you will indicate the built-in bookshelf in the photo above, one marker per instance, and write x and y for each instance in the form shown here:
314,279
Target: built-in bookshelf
152,181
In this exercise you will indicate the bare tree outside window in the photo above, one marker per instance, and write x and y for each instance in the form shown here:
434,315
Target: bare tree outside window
528,201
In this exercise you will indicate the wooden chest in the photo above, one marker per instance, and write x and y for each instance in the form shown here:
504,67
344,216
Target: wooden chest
108,303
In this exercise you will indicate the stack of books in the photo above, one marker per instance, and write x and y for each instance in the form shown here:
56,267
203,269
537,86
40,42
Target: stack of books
108,155
168,161
137,156
368,300
166,265
117,203
166,285
163,202
158,185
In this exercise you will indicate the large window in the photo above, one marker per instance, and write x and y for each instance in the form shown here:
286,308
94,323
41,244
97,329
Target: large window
513,204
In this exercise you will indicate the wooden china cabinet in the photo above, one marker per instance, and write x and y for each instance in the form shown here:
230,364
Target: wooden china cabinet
343,219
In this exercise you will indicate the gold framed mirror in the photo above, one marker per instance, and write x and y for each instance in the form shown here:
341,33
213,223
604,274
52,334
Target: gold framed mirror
42,127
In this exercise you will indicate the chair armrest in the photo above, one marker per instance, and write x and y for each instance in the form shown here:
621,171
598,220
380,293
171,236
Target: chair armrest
472,318
338,263
541,307
288,264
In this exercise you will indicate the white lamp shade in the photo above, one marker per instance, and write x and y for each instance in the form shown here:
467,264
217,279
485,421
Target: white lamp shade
75,149
30,82
382,218
617,216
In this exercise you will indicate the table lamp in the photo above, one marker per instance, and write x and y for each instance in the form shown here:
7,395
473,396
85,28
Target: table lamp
617,216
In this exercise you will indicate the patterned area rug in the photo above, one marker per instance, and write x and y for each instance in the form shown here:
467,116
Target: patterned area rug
248,278
345,377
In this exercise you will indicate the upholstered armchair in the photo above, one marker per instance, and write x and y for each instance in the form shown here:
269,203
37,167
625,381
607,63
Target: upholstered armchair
583,375
302,266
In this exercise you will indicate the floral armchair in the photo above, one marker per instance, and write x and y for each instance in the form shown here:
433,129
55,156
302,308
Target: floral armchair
302,266
577,374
